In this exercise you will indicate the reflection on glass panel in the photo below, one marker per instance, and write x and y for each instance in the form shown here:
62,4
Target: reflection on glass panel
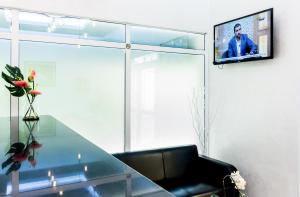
71,27
82,87
4,104
166,38
167,99
5,96
5,20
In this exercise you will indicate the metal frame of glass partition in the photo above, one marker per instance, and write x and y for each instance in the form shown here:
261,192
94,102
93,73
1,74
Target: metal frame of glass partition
15,36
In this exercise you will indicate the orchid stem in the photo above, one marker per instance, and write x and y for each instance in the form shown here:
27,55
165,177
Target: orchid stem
224,184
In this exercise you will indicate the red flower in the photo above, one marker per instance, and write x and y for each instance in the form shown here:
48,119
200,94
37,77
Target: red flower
35,145
32,161
33,73
34,92
20,156
21,83
31,76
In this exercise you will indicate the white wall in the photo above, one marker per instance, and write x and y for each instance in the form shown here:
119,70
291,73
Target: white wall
254,107
189,14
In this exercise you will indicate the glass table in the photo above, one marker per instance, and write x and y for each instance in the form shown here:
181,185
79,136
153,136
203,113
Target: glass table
59,162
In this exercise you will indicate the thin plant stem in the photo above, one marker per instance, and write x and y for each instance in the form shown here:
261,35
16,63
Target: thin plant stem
28,111
224,184
31,109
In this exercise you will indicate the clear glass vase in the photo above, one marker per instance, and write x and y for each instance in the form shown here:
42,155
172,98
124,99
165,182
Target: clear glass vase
30,114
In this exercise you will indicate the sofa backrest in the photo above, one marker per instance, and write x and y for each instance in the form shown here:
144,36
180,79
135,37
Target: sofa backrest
148,163
160,164
178,162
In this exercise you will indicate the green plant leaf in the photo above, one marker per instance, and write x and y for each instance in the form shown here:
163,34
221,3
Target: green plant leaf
10,69
27,89
15,75
8,79
12,88
20,92
16,148
14,167
7,162
14,71
16,91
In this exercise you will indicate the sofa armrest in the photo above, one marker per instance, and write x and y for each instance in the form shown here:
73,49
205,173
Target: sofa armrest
213,171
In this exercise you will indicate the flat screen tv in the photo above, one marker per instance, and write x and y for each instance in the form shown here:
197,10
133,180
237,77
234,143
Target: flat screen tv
244,39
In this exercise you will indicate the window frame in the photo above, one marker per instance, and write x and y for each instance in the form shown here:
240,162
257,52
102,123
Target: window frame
16,36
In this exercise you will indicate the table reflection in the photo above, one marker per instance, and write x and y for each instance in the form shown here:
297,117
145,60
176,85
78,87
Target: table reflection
59,162
21,151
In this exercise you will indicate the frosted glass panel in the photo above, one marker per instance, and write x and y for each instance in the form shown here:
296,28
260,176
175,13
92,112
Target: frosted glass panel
55,25
5,96
5,20
4,99
167,99
166,38
81,87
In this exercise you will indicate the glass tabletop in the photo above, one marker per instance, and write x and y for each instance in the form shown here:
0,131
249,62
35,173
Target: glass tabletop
56,161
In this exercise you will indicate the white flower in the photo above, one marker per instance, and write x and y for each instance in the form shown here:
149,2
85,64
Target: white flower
236,178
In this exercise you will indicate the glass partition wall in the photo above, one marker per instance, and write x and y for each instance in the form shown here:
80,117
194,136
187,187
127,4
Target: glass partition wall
4,98
83,87
162,90
123,87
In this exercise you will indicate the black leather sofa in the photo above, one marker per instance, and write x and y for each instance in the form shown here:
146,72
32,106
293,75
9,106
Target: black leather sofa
181,171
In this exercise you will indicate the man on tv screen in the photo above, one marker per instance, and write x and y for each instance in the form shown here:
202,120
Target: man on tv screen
240,44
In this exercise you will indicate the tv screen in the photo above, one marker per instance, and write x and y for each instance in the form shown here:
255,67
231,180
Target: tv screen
244,39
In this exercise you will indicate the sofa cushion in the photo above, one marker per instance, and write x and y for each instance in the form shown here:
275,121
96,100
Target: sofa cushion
201,188
185,188
179,192
179,162
149,164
